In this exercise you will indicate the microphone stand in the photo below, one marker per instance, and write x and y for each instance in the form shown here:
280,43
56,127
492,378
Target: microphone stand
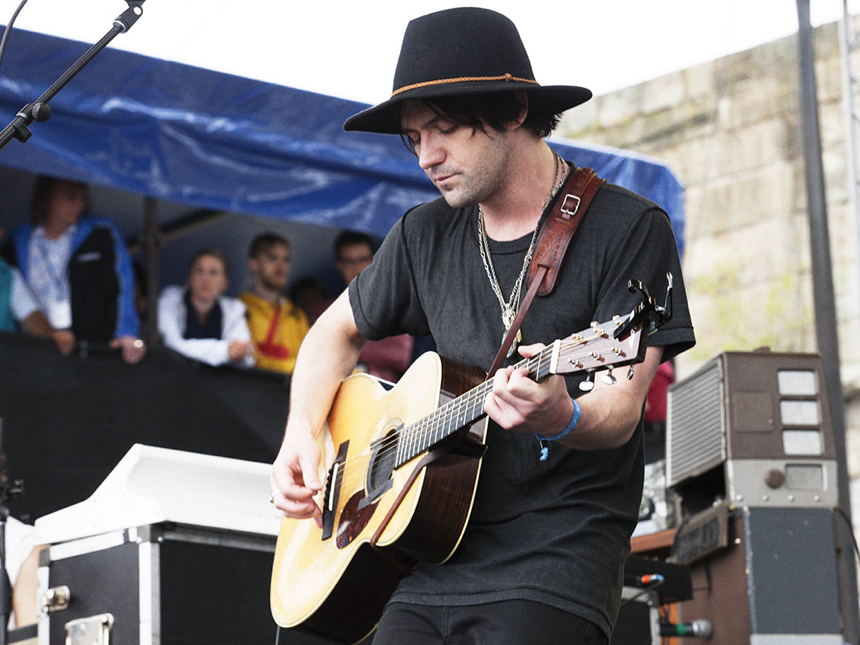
40,110
6,492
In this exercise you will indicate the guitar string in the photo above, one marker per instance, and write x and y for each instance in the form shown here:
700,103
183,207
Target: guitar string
430,425
443,418
432,421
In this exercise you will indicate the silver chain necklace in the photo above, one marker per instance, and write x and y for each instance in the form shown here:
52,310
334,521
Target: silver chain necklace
510,308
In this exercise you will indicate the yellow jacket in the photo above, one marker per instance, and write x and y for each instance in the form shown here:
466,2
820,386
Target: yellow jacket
277,330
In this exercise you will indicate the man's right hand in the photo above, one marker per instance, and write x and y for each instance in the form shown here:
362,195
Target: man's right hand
327,356
295,480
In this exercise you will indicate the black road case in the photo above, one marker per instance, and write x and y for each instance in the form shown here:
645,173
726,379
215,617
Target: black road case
160,584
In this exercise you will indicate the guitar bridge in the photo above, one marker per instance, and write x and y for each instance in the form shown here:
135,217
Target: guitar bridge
332,491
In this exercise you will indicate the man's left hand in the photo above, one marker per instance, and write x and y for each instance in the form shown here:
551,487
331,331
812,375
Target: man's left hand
518,403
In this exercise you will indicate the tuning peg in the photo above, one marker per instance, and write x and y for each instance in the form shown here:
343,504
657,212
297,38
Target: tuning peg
608,378
630,372
588,384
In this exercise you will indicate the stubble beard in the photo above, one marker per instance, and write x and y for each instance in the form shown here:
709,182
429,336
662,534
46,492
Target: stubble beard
271,284
481,182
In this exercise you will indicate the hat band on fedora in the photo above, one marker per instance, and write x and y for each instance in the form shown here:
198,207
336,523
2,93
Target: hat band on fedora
463,79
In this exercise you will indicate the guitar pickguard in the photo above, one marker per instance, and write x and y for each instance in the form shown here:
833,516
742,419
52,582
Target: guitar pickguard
355,516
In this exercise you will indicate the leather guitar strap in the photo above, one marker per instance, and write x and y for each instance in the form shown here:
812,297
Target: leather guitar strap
568,208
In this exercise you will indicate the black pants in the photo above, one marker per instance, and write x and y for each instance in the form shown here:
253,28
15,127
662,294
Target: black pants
512,622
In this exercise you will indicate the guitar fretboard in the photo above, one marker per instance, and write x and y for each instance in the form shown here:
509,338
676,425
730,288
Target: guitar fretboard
461,411
594,349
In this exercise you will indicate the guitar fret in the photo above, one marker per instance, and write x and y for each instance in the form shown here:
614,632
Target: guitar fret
413,446
401,444
444,425
415,443
576,351
403,448
453,415
432,432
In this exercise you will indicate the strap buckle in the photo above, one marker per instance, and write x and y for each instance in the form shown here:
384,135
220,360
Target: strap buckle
565,211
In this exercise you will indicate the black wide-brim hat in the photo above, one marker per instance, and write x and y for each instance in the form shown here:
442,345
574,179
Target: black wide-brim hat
457,52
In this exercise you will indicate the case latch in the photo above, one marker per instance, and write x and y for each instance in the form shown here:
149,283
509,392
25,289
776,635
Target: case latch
93,630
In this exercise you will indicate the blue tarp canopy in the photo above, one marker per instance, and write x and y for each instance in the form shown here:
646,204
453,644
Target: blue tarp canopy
218,141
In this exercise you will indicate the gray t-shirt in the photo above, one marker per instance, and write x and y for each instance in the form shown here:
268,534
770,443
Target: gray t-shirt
556,531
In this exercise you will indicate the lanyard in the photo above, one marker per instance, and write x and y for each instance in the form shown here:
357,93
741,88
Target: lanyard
53,265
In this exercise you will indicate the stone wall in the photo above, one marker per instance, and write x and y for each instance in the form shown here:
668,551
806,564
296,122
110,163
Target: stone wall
731,131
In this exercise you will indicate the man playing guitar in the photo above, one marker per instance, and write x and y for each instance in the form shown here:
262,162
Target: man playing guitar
542,554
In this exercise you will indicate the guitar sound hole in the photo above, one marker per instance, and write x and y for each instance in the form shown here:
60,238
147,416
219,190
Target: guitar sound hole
382,464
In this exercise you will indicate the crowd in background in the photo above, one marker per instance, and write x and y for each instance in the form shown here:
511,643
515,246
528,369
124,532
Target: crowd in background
67,275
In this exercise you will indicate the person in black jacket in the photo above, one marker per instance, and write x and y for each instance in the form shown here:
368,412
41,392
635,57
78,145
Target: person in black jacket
78,268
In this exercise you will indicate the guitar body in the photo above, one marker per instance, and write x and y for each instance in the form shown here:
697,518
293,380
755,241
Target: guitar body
400,472
381,519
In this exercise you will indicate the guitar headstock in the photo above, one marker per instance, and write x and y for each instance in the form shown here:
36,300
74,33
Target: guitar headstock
604,346
620,341
597,348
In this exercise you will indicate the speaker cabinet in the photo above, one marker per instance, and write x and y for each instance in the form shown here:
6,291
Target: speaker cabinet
773,583
753,429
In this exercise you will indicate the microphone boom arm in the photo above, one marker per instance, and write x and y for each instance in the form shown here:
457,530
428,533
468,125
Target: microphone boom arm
39,110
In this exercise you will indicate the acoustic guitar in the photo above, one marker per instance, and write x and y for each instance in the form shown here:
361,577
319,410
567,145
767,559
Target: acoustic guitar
403,467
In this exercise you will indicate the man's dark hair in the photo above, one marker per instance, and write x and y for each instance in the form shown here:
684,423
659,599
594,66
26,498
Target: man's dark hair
264,242
351,237
43,194
494,110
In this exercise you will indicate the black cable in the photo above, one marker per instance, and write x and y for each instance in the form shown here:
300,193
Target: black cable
673,549
8,30
841,513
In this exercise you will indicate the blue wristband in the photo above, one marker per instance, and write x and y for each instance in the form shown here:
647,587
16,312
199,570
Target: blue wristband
544,441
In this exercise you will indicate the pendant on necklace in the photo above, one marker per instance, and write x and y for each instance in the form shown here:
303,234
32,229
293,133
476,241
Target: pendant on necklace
514,344
507,321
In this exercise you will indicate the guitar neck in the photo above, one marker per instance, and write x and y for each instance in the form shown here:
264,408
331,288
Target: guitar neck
463,410
620,341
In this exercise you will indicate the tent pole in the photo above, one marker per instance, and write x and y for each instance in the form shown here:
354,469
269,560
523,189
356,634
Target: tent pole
152,244
825,311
